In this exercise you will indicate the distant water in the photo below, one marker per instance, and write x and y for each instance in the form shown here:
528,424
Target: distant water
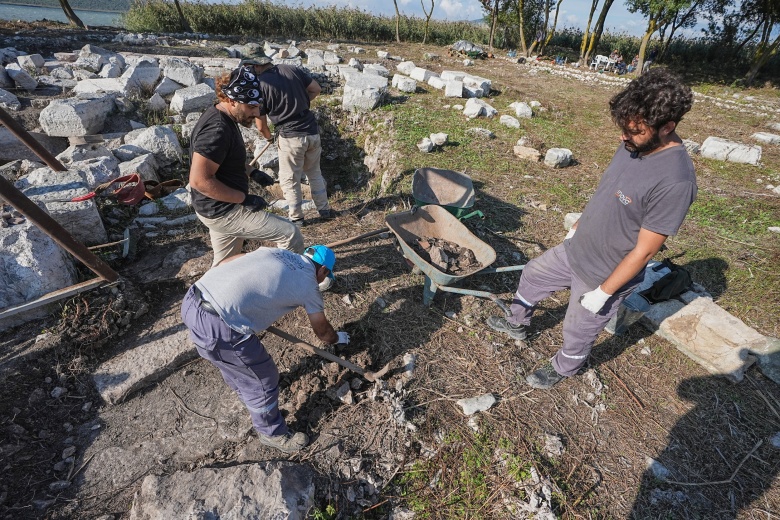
31,14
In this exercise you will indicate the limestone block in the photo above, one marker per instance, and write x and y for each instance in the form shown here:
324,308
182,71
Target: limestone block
570,219
97,170
112,69
183,72
439,139
470,91
193,99
315,61
452,75
176,201
31,61
357,98
725,150
774,126
382,55
156,102
31,265
558,157
80,219
82,152
68,57
376,68
421,74
478,108
331,58
692,147
766,137
167,86
118,86
76,116
453,88
404,84
353,63
522,109
144,165
143,74
509,121
5,79
90,62
477,82
706,333
161,141
21,78
128,152
9,101
406,67
525,152
271,490
437,83
92,57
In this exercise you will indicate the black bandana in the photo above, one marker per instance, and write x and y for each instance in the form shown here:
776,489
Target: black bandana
243,87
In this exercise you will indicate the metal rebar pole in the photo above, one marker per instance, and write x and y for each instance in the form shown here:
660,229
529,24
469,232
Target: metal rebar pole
25,137
51,227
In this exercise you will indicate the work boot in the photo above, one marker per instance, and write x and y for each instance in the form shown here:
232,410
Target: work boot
299,222
544,378
290,442
327,214
501,324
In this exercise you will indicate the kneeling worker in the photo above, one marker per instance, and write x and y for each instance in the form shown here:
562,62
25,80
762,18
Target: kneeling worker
244,295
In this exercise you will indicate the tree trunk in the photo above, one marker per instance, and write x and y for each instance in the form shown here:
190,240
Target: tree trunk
183,23
596,36
427,19
643,46
764,53
72,17
586,34
521,20
397,22
554,25
494,20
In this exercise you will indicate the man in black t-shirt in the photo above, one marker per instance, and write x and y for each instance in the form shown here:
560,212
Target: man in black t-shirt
219,175
287,93
642,198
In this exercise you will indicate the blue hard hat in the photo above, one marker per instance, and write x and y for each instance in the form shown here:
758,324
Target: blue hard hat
322,255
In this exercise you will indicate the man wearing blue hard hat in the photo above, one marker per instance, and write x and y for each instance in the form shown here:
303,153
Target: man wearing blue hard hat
243,296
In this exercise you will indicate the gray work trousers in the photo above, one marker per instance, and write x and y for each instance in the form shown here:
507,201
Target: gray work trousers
549,273
229,231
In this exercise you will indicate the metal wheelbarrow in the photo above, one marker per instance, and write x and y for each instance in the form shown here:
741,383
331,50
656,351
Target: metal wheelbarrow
436,222
452,190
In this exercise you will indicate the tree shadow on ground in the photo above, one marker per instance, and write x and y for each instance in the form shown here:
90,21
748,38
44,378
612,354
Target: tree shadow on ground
720,457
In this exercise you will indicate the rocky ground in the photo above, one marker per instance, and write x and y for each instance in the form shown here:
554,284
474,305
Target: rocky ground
626,439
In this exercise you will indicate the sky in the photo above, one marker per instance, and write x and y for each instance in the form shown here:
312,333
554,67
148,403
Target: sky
574,13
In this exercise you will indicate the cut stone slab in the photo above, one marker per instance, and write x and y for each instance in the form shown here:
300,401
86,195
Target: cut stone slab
706,333
558,157
528,153
692,147
421,74
766,137
128,152
119,86
143,74
362,96
183,72
112,69
157,103
406,67
193,99
9,101
725,150
403,83
30,61
76,116
161,141
31,265
82,152
138,368
167,86
470,91
472,405
453,88
437,83
97,170
21,77
478,108
266,490
452,74
144,165
376,68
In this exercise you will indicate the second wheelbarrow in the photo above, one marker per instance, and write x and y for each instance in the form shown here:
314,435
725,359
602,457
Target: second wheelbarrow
436,222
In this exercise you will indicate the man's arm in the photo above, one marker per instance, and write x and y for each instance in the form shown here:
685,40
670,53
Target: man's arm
322,328
313,89
262,127
647,245
203,178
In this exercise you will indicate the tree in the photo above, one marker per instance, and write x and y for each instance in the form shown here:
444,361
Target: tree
183,23
659,13
492,8
397,22
520,24
765,14
428,15
595,36
552,29
586,34
72,17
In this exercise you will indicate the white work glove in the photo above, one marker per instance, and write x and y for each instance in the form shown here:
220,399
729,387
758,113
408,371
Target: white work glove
343,338
570,233
594,300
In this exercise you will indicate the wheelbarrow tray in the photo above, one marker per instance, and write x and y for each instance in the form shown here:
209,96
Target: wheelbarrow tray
436,222
447,188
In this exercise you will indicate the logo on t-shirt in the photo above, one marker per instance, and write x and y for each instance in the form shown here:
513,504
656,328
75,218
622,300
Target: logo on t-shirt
624,199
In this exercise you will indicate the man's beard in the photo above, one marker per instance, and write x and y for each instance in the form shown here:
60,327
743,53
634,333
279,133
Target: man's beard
649,146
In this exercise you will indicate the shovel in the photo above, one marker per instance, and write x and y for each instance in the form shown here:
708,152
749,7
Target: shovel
125,242
371,376
257,157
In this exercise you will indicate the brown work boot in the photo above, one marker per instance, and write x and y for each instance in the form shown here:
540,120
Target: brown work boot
290,442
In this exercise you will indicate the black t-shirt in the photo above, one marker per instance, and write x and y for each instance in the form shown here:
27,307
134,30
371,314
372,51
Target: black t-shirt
217,138
286,101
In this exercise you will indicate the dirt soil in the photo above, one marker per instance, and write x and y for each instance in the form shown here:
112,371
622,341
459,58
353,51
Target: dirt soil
405,443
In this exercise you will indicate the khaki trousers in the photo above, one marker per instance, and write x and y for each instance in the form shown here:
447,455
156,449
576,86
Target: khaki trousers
299,156
229,231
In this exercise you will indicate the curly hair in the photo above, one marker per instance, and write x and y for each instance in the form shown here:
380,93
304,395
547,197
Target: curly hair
655,98
220,82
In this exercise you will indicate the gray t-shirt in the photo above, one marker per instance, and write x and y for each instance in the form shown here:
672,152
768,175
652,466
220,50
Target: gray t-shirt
652,192
252,292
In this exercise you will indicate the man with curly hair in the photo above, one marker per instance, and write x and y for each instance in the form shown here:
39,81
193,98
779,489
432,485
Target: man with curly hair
219,175
642,198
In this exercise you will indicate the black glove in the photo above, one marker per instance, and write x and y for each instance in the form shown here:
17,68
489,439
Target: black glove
261,178
254,202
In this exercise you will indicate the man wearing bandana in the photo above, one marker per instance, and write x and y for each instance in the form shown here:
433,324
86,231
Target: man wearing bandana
219,175
286,94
